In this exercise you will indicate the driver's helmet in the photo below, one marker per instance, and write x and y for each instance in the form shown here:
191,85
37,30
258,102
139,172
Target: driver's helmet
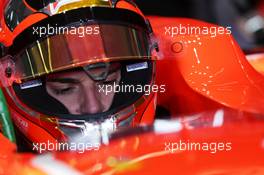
77,66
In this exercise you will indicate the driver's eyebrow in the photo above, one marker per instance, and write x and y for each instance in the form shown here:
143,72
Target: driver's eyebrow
63,80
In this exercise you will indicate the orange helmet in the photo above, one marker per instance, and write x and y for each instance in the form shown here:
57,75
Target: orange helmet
76,66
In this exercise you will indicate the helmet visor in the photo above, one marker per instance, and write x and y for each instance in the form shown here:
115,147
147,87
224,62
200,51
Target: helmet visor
76,48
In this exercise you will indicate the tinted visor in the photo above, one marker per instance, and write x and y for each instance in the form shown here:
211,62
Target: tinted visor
76,48
76,38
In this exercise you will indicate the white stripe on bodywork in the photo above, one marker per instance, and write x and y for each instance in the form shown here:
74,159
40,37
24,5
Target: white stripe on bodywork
218,118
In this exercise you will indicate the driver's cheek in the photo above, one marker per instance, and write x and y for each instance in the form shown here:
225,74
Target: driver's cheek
71,101
107,100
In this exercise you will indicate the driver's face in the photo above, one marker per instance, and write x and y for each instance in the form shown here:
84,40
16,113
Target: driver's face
79,93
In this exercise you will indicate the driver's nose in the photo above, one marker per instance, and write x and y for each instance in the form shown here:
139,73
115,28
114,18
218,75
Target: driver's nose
90,100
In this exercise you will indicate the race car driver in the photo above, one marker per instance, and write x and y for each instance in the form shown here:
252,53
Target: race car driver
53,80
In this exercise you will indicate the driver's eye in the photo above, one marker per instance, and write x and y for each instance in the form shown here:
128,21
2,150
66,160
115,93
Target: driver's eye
110,80
63,91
